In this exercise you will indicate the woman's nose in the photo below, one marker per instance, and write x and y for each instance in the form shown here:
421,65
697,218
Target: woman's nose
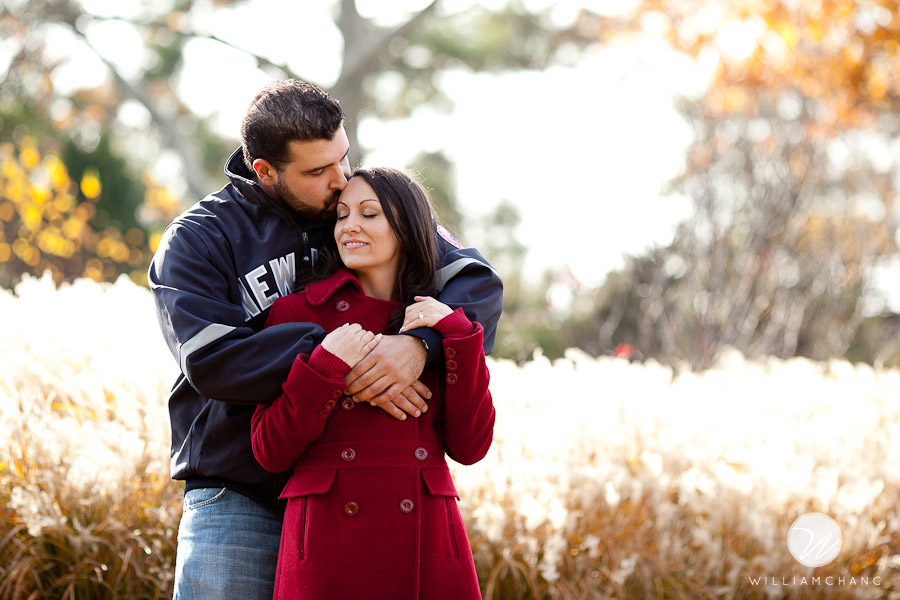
351,224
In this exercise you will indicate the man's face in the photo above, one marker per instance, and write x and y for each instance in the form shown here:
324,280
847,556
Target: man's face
314,175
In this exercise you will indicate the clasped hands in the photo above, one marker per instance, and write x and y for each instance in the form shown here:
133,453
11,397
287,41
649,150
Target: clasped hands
385,369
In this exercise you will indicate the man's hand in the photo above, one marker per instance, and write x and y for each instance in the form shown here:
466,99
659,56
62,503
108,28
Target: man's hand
388,377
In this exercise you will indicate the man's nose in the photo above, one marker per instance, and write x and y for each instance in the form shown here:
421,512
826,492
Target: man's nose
340,178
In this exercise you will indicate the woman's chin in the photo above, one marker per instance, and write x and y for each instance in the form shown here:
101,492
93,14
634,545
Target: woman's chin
355,263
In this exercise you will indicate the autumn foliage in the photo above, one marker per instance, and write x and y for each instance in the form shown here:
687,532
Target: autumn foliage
843,54
793,183
48,222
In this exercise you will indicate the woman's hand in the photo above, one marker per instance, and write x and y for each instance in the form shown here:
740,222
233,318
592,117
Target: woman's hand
350,343
425,312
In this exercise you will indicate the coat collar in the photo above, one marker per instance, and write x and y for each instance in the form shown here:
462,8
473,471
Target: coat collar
319,292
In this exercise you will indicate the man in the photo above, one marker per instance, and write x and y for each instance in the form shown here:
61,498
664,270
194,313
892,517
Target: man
218,269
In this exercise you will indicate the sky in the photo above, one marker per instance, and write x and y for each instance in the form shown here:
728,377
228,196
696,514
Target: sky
583,151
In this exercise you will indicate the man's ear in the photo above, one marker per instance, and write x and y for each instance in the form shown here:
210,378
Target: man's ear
265,172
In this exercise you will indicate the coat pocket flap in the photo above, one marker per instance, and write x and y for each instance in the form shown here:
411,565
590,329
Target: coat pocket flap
304,483
439,482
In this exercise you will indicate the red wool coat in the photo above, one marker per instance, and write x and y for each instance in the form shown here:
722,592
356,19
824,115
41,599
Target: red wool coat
371,507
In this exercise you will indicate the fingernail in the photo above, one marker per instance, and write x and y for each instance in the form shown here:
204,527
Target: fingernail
418,412
371,404
429,395
403,417
424,408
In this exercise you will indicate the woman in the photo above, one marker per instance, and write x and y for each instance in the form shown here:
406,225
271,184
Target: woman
371,507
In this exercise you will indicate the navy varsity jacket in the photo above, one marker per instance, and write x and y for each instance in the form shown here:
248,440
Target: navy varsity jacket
218,269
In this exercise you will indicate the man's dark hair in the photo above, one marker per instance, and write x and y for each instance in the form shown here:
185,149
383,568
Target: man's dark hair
285,111
408,211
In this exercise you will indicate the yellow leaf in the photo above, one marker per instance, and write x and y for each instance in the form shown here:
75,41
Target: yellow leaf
30,158
72,228
94,273
90,185
154,241
59,177
787,32
119,252
31,217
878,85
64,203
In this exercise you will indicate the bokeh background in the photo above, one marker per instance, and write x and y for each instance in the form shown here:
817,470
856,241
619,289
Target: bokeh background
693,205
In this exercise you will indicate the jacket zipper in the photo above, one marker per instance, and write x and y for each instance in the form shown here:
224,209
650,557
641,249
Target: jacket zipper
304,237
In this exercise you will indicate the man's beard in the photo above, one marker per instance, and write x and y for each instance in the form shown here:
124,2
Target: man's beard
303,209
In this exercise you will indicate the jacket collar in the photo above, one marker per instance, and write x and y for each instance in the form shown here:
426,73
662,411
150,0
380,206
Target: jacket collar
242,179
319,292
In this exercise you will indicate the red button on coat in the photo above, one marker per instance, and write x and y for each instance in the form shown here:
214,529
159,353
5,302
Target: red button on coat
450,352
407,506
351,508
452,378
348,454
451,365
330,404
323,414
342,305
336,394
347,404
421,453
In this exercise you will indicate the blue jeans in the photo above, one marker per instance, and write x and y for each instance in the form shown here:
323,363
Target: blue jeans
227,547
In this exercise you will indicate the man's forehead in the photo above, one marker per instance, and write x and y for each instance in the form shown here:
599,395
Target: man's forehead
318,153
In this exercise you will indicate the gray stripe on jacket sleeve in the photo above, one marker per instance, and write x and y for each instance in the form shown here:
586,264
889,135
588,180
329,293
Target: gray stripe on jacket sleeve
452,270
210,333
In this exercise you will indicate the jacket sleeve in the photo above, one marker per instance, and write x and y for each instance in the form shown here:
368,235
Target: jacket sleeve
468,407
282,430
220,354
465,280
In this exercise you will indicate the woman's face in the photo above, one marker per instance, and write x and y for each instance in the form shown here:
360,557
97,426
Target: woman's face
364,237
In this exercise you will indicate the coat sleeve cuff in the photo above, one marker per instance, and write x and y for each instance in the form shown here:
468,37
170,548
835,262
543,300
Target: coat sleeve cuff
327,364
455,325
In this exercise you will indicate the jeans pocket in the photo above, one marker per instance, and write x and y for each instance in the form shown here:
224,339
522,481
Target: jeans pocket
200,497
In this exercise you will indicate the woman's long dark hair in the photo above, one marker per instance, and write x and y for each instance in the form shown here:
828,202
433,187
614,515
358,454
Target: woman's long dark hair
408,211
